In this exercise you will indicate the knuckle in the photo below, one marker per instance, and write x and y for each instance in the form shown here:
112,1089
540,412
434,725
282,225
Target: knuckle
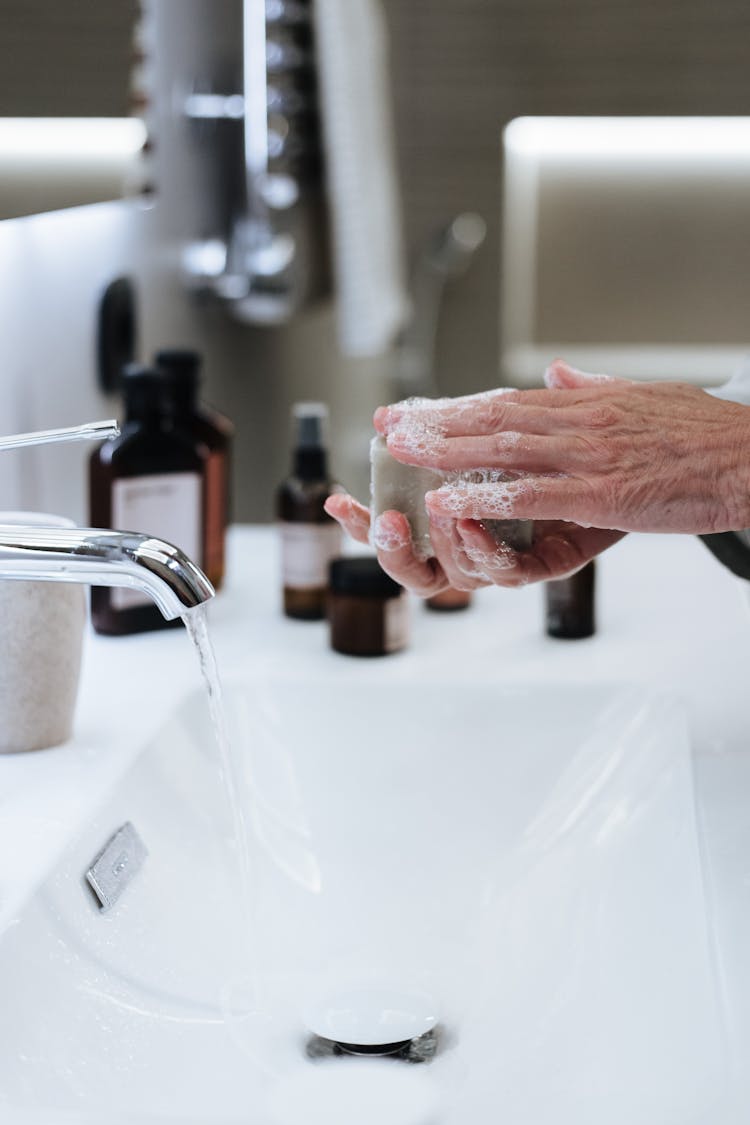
500,444
497,414
602,417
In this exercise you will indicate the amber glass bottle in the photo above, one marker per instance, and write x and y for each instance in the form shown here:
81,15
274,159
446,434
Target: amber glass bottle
207,427
310,539
570,605
147,480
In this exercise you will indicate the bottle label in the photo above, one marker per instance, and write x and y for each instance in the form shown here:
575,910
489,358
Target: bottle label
396,623
165,505
306,551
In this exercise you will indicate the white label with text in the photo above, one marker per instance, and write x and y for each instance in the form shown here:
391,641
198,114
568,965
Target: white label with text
165,505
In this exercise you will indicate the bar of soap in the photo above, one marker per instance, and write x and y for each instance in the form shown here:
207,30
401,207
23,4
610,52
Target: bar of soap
402,488
518,534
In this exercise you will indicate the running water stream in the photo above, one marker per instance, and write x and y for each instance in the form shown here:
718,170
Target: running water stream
196,624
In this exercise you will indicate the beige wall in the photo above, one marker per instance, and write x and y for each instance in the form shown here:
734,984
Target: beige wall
65,59
464,68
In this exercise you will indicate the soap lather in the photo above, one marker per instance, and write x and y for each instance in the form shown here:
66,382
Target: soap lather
398,487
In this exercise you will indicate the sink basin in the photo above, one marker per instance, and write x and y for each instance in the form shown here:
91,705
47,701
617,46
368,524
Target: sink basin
509,871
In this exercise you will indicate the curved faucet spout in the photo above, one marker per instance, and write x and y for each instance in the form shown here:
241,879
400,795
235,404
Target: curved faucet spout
105,558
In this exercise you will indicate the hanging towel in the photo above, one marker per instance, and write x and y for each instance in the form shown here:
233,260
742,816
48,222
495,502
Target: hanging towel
362,184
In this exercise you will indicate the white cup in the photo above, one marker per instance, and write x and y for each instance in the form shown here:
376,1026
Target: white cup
41,634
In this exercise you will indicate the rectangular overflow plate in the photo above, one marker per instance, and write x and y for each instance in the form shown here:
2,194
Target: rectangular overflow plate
116,865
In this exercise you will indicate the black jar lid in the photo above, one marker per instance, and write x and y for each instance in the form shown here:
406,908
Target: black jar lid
363,576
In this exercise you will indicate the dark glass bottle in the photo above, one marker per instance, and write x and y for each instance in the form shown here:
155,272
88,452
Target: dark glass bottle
209,428
147,480
570,605
310,539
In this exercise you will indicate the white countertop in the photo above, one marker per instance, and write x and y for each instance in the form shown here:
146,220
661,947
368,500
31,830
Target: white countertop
669,616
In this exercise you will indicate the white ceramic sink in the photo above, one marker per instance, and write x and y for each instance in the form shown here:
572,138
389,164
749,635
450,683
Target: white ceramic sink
512,869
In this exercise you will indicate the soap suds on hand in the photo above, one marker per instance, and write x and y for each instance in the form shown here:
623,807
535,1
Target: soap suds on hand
399,487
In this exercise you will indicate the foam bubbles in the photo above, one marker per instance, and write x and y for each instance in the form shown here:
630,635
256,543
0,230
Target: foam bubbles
388,538
502,558
485,494
429,418
509,439
419,436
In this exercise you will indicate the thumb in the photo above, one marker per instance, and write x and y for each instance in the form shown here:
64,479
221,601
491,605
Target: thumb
561,376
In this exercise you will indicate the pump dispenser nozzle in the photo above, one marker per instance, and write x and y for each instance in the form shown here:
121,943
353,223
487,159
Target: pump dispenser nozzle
310,425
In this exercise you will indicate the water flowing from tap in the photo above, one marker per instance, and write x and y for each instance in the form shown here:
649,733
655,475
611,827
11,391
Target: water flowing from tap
196,625
89,431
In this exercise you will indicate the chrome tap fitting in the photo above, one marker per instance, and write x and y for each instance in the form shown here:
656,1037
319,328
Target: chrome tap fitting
104,558
96,556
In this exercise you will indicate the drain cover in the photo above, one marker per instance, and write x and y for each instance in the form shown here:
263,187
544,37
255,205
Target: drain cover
421,1049
373,1021
371,1016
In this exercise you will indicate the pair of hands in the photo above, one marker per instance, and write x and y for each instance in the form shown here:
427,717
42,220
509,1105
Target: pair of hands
589,458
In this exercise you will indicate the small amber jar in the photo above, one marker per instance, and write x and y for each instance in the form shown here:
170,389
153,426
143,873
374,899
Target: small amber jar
449,600
368,611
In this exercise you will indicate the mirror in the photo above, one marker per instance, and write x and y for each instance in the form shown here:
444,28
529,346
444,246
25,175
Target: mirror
66,137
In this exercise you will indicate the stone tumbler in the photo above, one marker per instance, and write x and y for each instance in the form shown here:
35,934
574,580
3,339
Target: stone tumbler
41,633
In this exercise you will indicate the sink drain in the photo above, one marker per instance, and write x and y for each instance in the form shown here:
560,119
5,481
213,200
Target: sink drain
372,1020
422,1048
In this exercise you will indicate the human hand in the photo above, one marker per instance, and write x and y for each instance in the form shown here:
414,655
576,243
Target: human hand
592,451
466,555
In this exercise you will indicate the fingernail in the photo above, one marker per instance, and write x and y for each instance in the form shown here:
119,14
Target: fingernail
383,419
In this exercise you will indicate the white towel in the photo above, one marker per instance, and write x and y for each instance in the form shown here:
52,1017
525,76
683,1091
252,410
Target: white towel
362,183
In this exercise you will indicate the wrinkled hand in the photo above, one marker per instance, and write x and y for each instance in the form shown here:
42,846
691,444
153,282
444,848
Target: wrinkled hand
466,556
591,458
591,450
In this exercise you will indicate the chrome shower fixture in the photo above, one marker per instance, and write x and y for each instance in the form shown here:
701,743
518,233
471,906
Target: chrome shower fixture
269,255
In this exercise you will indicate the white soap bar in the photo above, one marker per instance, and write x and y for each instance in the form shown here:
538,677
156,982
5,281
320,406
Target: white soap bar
518,534
402,488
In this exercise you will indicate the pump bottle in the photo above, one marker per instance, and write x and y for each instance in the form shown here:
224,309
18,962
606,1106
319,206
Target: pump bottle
208,428
149,480
310,539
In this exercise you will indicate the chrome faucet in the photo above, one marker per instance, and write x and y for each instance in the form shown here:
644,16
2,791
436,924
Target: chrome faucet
104,558
99,557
